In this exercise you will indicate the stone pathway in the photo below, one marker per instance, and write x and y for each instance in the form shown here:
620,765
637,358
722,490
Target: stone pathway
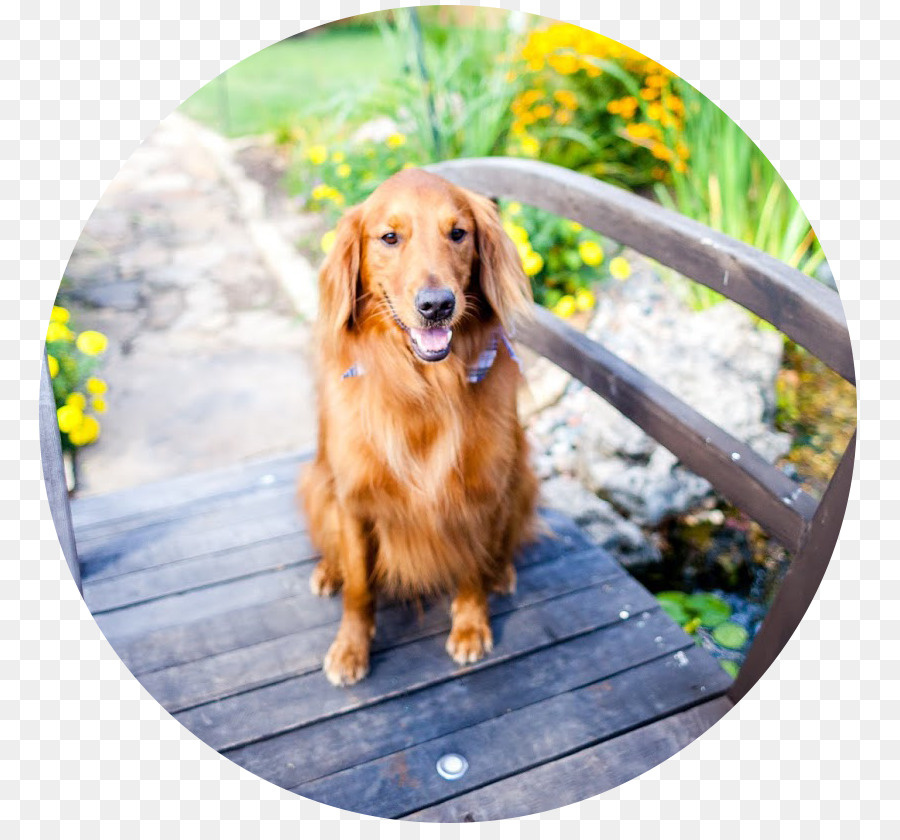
189,271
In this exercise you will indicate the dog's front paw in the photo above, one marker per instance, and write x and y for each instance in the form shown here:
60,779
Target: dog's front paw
325,579
469,642
347,660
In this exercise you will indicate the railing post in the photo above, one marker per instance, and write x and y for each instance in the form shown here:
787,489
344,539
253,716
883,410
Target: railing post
54,473
802,580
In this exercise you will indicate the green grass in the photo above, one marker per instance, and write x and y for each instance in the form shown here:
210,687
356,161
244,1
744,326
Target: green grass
291,83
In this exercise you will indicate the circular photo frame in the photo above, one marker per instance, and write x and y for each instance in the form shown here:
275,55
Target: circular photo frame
339,259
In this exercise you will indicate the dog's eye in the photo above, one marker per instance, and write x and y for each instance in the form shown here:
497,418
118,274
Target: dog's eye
457,234
389,238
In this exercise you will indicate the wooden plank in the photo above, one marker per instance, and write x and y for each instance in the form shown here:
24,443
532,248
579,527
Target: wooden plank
196,572
214,532
735,470
261,588
407,781
192,684
802,308
583,774
199,515
163,499
297,702
332,744
243,626
54,473
802,580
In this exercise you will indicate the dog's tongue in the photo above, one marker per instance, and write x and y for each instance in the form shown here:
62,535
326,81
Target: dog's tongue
433,340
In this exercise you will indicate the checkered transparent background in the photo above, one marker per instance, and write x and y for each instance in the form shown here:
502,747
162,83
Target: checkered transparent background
814,83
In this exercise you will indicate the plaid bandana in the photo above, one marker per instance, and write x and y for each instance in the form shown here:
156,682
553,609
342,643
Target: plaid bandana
476,372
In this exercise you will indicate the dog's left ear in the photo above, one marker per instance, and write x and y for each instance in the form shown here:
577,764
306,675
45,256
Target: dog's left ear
502,279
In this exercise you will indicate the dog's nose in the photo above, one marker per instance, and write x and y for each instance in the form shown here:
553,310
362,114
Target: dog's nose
435,304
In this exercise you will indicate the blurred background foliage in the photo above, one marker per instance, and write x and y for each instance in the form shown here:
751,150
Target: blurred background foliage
356,100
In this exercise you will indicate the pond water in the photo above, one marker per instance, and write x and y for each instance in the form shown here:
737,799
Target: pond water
720,551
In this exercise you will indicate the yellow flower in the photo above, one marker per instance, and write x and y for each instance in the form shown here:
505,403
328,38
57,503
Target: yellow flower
321,191
58,332
530,146
60,315
69,417
86,432
514,208
591,253
566,63
649,93
326,243
655,111
567,99
565,307
619,268
99,405
395,141
517,233
76,399
343,170
543,111
317,155
95,385
563,117
408,165
585,300
338,157
532,263
614,106
52,366
91,342
661,152
575,227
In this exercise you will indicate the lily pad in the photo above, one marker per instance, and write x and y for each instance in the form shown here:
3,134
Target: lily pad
730,635
675,611
730,667
672,596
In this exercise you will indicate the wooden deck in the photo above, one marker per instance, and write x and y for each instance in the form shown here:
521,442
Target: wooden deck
201,586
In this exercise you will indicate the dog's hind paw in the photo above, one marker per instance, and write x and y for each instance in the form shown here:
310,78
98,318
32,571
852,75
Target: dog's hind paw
324,581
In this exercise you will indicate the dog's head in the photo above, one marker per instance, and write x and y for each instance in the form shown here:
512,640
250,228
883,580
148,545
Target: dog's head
427,255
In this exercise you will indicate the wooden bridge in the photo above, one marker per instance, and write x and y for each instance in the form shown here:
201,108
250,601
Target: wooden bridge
201,585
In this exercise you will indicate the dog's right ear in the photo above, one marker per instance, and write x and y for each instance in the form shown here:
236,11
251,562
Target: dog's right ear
339,278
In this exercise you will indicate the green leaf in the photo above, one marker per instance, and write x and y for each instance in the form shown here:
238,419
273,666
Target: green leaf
675,611
710,609
730,667
730,635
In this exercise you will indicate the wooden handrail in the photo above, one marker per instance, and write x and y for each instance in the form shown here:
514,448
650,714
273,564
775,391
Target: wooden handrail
802,308
54,473
734,469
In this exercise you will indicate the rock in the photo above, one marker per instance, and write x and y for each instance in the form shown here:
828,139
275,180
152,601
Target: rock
719,361
600,520
124,296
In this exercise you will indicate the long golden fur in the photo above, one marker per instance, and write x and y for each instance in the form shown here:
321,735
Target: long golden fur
421,482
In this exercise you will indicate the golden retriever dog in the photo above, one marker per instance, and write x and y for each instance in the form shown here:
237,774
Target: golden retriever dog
421,482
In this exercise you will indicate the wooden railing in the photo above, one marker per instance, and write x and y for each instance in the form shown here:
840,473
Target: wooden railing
803,309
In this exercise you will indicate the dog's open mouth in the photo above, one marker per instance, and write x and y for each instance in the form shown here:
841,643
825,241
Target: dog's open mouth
431,345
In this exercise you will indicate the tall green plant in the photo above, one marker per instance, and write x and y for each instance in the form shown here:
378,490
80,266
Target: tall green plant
452,95
730,185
